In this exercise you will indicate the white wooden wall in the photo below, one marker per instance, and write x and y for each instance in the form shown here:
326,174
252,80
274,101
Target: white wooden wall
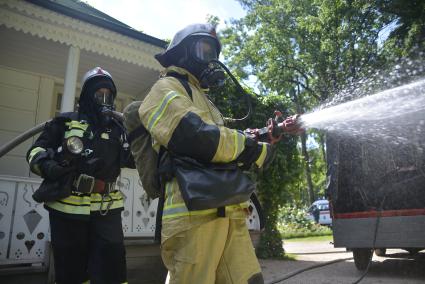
25,101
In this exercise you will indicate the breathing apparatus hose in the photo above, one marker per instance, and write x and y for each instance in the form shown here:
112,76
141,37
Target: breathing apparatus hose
6,148
240,90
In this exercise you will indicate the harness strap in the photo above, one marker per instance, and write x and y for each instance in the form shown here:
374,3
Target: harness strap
184,80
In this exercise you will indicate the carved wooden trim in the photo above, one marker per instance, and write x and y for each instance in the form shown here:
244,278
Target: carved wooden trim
37,21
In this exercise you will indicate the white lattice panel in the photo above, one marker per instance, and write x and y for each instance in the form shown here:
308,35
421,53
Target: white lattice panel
126,185
139,215
144,211
30,225
7,199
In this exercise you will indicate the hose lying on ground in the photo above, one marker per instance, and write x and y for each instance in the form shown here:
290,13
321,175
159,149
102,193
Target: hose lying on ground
292,274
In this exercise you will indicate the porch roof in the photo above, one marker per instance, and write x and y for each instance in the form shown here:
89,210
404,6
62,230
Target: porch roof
37,39
84,12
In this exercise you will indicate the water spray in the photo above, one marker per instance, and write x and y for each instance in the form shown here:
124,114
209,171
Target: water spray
391,114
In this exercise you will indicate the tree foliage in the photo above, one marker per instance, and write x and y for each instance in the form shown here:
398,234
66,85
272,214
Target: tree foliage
302,52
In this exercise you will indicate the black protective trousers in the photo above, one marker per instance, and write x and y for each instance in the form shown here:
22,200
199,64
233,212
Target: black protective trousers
88,249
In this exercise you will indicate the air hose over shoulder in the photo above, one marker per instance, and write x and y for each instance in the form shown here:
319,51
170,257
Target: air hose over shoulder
240,90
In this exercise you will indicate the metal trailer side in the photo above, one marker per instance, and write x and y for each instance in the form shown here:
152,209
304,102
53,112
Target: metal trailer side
376,191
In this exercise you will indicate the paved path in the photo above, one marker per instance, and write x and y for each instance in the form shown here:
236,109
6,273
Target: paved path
396,267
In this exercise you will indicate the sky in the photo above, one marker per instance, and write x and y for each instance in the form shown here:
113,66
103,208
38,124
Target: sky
163,18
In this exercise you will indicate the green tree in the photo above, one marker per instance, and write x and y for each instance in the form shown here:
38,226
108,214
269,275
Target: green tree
302,52
405,25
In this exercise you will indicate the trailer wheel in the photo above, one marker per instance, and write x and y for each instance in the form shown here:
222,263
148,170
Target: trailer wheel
380,251
362,256
255,220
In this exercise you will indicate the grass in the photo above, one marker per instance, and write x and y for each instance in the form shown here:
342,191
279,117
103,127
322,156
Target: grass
311,239
290,256
316,230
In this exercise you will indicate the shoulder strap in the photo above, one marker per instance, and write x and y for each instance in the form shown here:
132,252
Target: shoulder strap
184,80
139,130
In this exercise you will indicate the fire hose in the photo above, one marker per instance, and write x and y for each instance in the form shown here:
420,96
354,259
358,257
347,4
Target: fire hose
276,127
6,148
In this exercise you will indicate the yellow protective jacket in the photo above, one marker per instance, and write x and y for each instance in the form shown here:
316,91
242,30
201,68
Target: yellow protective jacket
193,127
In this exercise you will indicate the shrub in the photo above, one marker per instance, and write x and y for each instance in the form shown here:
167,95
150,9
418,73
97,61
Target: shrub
293,223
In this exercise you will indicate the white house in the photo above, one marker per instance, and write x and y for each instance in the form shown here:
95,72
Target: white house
46,47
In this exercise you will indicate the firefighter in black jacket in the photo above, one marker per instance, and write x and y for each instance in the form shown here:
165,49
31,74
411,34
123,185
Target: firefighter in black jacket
79,155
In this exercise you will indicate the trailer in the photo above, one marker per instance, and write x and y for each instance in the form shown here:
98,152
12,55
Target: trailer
376,191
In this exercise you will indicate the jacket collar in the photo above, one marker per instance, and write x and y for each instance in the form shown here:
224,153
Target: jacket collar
192,79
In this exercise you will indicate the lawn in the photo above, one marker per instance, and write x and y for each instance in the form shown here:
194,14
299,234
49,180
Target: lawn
311,239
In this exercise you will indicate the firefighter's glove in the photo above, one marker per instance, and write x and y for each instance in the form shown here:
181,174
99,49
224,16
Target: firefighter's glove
292,125
52,170
250,154
255,152
251,133
273,132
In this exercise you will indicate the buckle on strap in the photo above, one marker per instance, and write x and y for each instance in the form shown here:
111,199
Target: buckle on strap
109,187
85,183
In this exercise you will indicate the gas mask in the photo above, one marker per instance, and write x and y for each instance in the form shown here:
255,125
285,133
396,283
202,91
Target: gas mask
104,100
201,62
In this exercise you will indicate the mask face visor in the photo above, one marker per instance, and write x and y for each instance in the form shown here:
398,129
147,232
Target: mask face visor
104,97
205,49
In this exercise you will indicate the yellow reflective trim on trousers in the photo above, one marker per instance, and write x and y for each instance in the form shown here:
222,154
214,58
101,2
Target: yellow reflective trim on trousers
74,132
86,204
159,111
260,160
77,200
84,210
239,144
116,198
76,124
71,209
116,203
180,209
97,197
177,210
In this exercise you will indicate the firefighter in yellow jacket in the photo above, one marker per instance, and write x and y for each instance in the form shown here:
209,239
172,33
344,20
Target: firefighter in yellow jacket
199,246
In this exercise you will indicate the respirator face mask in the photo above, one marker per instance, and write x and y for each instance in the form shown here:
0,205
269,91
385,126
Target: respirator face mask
104,100
205,53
